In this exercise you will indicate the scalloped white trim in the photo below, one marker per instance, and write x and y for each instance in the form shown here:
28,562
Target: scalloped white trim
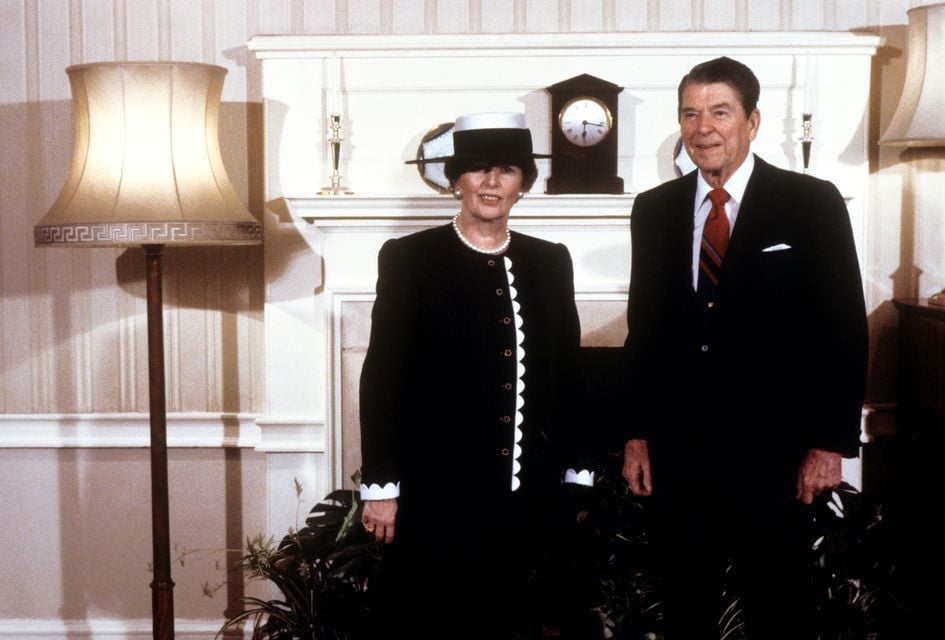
584,477
518,434
375,491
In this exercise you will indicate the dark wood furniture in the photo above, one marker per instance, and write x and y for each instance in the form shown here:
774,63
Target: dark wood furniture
919,491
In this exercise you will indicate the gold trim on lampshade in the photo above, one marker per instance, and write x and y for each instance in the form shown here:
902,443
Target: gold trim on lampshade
146,163
919,120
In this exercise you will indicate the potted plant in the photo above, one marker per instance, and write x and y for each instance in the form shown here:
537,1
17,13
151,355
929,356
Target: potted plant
322,572
852,567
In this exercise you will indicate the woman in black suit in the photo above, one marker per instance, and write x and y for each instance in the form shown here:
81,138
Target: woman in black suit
468,398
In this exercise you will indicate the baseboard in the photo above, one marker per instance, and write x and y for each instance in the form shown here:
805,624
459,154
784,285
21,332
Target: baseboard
103,629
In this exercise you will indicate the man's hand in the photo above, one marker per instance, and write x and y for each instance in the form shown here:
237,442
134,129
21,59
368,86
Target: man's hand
820,471
378,518
636,467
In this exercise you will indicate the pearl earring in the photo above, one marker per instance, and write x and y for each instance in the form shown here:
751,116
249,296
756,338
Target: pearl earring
458,194
521,194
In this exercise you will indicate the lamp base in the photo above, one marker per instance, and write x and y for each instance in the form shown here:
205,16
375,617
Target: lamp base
938,299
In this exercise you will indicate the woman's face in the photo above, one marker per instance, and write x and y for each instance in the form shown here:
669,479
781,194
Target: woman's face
490,192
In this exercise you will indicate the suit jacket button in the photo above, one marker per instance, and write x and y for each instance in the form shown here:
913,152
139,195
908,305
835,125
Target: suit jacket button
507,386
507,353
506,320
499,292
506,419
505,452
491,262
704,348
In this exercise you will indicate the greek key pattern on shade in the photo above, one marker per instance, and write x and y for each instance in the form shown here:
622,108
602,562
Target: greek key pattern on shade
134,233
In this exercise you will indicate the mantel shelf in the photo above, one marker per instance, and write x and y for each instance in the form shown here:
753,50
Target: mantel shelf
346,211
333,213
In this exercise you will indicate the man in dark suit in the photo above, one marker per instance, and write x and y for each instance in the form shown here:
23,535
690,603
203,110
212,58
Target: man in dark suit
747,361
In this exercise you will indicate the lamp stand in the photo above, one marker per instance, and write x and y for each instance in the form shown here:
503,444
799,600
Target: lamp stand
162,588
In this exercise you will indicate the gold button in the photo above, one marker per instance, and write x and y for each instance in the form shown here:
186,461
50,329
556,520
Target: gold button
506,320
507,353
711,304
499,292
506,419
491,263
505,452
507,386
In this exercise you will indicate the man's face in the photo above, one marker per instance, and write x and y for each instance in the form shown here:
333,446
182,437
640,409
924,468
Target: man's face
716,130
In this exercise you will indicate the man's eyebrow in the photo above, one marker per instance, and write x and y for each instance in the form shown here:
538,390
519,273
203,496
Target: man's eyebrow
712,107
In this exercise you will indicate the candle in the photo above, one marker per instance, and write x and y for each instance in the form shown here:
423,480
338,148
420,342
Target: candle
814,96
808,80
334,85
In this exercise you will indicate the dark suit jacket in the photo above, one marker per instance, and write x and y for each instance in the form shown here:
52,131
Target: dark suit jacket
781,365
438,397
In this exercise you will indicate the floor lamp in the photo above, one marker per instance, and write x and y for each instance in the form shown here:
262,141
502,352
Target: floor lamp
919,120
147,170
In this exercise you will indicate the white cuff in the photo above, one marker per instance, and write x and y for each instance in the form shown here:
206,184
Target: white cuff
584,477
377,492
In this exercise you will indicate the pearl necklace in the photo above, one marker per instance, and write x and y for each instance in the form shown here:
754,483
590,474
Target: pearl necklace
502,247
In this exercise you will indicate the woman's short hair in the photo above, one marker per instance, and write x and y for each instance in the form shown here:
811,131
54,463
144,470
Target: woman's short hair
455,167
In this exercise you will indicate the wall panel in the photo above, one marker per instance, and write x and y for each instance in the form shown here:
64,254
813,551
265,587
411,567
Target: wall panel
453,16
587,16
541,17
365,16
497,16
15,334
408,16
677,15
142,29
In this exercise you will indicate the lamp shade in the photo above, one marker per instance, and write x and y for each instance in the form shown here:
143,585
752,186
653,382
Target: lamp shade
146,163
919,121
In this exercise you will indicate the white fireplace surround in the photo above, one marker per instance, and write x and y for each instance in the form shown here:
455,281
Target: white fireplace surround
321,250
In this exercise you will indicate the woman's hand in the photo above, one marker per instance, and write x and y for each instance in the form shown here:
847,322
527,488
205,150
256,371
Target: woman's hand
378,518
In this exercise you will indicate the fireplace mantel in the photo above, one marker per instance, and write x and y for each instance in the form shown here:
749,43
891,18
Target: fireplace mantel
321,250
332,213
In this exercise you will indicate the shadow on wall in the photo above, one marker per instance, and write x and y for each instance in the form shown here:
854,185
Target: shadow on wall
61,296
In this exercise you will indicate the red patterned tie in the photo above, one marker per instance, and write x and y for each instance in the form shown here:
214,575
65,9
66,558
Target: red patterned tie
714,238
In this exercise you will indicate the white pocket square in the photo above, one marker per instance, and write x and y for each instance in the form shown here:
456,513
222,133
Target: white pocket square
776,247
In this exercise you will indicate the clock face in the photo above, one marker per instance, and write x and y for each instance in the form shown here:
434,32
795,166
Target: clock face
585,121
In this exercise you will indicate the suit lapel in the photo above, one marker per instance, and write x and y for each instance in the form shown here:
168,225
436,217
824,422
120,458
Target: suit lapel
754,206
681,205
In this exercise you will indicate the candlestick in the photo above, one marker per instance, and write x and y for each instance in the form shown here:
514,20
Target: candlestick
334,139
807,139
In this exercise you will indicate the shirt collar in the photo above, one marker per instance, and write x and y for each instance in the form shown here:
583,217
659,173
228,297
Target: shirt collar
735,185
